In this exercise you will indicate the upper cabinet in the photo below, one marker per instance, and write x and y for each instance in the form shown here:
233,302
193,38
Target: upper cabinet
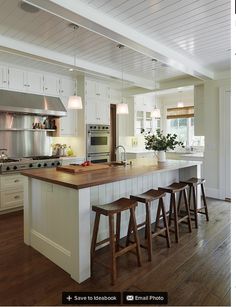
97,102
115,96
3,76
66,87
96,89
51,85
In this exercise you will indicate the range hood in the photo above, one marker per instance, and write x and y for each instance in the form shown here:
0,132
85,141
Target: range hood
16,102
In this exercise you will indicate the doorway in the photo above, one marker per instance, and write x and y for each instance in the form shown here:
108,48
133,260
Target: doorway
113,131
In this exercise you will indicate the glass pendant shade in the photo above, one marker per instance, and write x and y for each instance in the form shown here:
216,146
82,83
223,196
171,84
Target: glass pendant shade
122,108
156,113
180,104
75,102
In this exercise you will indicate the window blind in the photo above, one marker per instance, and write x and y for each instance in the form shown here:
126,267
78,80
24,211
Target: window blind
184,112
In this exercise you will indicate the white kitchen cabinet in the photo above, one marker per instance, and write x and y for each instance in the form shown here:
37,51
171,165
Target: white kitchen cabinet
11,191
115,96
199,110
25,81
16,79
51,85
95,89
68,124
66,87
97,111
3,77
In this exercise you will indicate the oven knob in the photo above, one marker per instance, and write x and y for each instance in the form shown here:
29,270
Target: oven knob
94,127
45,164
31,165
39,165
8,168
53,163
103,127
99,127
15,167
91,127
58,163
106,127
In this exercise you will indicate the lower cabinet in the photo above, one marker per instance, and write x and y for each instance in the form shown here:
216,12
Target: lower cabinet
11,191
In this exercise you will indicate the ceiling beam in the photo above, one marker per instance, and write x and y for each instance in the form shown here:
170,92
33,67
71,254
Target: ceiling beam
78,12
53,57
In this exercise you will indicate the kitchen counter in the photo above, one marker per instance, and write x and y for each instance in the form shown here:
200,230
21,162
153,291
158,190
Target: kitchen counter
93,178
58,219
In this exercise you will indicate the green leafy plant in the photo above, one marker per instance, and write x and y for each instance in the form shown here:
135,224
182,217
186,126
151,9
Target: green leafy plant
160,142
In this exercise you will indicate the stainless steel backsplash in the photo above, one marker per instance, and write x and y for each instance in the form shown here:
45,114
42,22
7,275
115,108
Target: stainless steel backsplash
23,143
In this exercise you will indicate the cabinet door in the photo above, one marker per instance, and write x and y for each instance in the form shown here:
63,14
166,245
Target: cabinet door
102,91
90,89
34,82
91,111
69,122
3,77
16,79
51,85
67,87
103,111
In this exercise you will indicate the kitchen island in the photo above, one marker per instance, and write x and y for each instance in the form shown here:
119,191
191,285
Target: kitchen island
58,219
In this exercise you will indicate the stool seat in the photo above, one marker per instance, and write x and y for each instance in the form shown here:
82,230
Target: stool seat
116,206
174,187
148,196
194,181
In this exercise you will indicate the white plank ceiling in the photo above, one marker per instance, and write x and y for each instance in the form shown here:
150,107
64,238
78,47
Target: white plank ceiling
198,29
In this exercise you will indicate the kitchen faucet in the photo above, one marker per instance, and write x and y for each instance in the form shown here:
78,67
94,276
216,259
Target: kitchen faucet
121,146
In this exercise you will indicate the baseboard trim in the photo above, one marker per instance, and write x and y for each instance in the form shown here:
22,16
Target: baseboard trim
53,251
213,193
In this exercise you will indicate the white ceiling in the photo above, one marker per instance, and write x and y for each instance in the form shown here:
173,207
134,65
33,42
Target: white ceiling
198,30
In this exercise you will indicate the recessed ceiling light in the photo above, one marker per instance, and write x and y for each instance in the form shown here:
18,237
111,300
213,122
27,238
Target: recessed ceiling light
71,69
28,7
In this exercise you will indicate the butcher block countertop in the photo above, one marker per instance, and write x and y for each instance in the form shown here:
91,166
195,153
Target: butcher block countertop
111,174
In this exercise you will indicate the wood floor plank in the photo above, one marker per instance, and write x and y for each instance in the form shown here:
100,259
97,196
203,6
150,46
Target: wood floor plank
194,272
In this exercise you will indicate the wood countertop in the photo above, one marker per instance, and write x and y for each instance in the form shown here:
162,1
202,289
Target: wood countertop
112,174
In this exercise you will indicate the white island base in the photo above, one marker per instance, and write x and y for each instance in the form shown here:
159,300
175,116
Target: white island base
58,220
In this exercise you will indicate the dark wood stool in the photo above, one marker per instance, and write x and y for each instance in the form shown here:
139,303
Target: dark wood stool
111,209
193,183
147,198
173,189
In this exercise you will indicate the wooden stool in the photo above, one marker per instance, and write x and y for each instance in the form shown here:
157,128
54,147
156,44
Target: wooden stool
111,209
193,183
147,199
173,189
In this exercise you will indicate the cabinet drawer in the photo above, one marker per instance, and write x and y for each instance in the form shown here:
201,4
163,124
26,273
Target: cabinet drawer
11,182
10,199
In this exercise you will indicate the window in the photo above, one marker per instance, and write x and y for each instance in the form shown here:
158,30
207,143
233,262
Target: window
181,122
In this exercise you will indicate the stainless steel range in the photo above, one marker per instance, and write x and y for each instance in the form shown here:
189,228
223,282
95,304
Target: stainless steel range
15,165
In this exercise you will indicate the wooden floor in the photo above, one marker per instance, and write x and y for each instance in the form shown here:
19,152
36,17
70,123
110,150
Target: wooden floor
194,272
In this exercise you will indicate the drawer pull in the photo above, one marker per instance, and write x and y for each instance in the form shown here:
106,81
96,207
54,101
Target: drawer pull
17,197
17,180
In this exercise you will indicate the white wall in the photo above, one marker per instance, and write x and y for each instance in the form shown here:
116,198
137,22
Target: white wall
211,132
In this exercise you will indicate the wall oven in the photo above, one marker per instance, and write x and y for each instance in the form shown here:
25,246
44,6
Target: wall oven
98,143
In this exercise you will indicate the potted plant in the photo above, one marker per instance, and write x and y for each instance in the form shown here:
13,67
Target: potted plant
160,143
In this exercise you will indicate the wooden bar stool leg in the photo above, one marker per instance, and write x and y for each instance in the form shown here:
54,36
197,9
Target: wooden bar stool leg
112,248
189,196
179,202
129,232
162,206
170,209
94,237
149,231
158,216
195,207
188,211
118,218
205,202
136,237
175,219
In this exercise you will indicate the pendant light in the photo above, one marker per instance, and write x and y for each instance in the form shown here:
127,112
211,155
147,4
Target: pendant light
122,108
75,102
156,112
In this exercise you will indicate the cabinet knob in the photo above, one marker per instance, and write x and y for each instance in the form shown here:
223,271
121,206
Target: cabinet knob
17,196
17,180
4,81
